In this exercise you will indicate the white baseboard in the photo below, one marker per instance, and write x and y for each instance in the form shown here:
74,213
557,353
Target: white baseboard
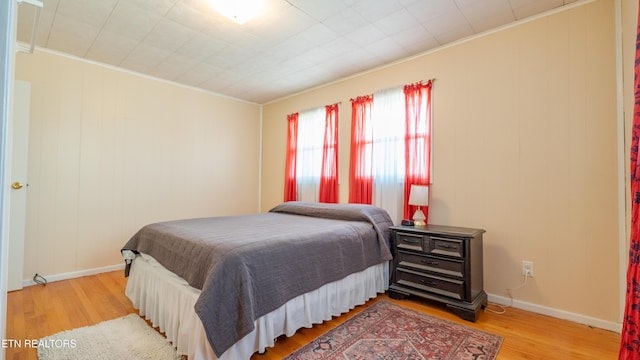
559,314
74,274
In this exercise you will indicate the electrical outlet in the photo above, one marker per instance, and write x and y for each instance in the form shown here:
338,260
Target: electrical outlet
527,268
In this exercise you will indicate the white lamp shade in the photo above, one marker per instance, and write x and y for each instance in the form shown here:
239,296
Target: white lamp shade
419,195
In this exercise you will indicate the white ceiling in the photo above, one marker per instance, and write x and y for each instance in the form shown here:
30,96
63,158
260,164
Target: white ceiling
293,46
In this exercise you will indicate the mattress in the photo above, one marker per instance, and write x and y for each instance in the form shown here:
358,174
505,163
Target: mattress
168,302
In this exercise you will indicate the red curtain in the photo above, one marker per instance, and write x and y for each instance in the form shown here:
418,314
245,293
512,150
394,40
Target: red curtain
417,142
360,177
630,339
328,191
290,189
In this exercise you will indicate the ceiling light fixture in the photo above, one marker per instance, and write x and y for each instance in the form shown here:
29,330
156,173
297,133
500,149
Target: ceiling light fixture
239,11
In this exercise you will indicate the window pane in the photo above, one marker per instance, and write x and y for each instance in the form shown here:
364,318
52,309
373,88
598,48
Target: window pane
388,128
311,127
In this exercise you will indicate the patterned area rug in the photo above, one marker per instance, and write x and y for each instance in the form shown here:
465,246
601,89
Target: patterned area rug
387,331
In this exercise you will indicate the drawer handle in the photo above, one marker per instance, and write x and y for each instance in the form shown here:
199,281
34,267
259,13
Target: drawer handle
429,262
411,241
447,246
430,283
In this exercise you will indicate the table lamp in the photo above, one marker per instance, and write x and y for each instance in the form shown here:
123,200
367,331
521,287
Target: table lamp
419,196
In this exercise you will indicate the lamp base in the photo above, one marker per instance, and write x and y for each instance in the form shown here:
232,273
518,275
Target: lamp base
419,219
419,223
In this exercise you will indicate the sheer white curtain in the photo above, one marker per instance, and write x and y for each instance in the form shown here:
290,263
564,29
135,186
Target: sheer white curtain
311,128
388,160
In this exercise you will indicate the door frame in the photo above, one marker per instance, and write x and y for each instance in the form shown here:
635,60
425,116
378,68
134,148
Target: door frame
7,61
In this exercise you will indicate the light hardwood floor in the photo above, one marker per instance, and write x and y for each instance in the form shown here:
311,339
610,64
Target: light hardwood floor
39,311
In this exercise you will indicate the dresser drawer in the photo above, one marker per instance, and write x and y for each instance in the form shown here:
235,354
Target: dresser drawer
409,241
445,246
429,263
447,287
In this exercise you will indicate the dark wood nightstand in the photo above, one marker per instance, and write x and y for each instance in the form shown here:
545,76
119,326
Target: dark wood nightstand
440,263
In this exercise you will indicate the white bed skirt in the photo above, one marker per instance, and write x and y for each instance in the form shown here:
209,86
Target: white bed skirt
168,302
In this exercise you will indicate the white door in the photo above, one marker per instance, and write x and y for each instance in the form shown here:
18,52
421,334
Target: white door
18,198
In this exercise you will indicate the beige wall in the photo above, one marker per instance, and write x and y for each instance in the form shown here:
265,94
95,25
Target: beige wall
111,151
524,146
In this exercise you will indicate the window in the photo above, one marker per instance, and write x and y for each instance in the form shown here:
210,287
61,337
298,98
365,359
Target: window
390,147
388,150
312,156
310,143
311,128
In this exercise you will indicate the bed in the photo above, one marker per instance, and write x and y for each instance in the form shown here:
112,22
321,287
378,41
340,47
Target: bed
226,287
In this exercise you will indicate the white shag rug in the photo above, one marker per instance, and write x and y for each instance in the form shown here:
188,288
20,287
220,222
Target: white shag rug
128,337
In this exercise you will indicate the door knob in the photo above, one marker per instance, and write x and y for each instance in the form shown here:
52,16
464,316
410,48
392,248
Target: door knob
16,185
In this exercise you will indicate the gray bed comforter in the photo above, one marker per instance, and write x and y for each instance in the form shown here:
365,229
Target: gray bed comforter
249,265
